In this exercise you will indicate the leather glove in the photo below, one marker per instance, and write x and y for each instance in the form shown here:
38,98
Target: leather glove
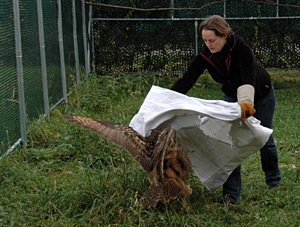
245,97
247,110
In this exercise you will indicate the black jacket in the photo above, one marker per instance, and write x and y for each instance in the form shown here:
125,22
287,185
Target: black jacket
234,66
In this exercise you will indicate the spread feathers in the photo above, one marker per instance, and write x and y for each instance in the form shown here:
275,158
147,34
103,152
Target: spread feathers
164,160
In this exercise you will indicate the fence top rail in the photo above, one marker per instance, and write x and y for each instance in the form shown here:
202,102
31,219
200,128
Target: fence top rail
192,19
186,9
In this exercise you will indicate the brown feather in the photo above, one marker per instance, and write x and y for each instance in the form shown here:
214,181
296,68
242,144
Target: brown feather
121,135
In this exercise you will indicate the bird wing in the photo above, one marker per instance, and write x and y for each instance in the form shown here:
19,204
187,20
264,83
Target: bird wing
164,136
119,134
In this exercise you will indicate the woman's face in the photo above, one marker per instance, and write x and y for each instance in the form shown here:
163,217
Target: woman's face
213,42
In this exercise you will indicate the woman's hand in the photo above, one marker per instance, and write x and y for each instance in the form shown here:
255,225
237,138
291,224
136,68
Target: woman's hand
247,110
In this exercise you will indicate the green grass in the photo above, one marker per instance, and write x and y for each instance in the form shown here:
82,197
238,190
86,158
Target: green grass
68,176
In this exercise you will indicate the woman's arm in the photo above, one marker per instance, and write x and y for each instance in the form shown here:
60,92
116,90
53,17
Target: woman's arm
190,77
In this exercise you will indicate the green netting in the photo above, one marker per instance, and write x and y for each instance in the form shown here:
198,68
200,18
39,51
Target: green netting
195,8
274,42
31,59
9,107
10,129
52,51
126,48
128,41
80,31
68,41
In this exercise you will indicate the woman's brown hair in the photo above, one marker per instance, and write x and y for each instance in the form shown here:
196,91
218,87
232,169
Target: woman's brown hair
217,24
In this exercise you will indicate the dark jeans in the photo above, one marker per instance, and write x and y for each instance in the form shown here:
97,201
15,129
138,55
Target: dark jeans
265,109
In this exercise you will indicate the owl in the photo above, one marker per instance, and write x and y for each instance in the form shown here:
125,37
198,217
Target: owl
160,155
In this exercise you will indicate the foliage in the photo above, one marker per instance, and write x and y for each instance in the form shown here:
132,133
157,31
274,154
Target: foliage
68,176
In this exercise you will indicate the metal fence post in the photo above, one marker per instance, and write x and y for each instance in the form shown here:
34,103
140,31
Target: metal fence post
20,75
196,38
61,52
90,51
43,57
172,11
277,8
85,41
224,9
75,42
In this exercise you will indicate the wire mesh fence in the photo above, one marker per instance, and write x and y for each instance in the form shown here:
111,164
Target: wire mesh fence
162,36
42,51
9,110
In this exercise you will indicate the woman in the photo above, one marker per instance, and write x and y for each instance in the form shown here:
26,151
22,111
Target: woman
230,62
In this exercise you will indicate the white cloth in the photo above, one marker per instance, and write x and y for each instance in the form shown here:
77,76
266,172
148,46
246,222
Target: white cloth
210,131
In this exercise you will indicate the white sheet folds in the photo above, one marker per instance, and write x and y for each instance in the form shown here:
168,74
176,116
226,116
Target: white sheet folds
209,130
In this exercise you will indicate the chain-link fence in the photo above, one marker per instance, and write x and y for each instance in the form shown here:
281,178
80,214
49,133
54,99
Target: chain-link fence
162,36
43,50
